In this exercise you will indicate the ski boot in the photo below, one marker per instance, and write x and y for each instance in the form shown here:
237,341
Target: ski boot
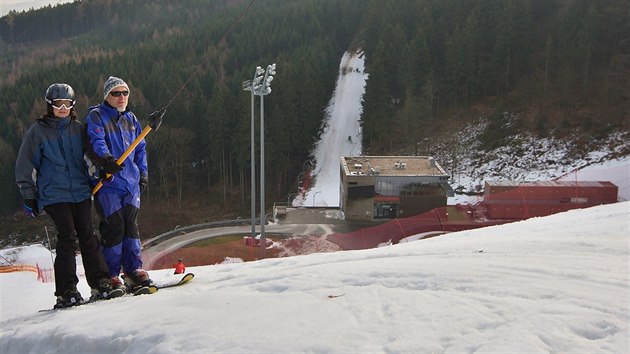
139,278
71,297
117,283
105,290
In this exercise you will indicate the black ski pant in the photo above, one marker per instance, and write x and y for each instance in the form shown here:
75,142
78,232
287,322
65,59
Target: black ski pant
74,221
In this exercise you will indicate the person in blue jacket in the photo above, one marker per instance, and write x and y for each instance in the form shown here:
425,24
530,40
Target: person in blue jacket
111,129
52,175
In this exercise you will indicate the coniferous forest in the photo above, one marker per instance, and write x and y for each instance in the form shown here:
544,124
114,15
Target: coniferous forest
562,64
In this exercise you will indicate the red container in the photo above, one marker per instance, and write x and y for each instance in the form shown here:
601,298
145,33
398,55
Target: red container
508,200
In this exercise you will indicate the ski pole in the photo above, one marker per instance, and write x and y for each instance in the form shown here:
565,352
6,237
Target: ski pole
155,120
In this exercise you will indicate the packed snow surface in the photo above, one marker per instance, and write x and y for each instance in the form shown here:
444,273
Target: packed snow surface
551,284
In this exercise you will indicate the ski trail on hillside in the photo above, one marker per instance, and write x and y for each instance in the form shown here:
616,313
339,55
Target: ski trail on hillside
341,135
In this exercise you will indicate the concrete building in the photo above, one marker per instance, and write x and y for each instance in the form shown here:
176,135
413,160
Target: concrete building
387,187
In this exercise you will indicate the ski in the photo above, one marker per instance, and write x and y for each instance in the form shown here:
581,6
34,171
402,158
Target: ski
143,290
112,295
185,279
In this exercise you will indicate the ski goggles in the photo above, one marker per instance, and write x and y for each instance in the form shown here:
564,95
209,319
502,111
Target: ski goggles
118,93
59,104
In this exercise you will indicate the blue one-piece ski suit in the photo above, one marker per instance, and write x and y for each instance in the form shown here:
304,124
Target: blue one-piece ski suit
110,133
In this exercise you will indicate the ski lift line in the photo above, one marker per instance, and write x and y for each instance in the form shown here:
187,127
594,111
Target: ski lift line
198,67
155,119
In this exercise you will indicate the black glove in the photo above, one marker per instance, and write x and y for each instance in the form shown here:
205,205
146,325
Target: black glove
110,166
30,208
157,114
104,176
144,182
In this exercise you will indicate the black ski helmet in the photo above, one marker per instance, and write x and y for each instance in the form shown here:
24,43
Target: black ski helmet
59,92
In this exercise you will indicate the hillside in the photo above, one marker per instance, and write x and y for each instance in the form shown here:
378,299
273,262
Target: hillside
533,71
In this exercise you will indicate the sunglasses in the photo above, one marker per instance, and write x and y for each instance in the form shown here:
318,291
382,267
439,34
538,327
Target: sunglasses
59,104
118,93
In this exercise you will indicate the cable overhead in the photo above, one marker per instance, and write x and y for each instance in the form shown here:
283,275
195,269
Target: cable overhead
198,67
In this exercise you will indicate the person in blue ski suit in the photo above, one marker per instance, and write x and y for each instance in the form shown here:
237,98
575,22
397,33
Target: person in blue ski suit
111,129
52,175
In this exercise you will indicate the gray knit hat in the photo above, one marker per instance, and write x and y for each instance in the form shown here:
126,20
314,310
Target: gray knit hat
111,83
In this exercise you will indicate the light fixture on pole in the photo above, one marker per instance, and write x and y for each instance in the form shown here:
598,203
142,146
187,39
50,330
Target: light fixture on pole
259,86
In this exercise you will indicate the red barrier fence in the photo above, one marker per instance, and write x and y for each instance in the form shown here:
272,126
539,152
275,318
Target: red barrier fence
503,202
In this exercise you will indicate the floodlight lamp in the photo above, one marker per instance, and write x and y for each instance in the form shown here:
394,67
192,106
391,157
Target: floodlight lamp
268,90
269,79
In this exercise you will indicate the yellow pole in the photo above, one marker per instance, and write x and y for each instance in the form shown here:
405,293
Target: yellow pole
124,156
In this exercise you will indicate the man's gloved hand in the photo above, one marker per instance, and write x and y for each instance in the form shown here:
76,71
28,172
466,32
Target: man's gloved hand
144,182
104,176
157,114
30,208
111,167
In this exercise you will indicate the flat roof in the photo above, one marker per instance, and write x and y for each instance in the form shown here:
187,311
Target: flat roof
391,166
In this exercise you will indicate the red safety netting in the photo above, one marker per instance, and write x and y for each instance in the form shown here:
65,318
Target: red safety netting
502,202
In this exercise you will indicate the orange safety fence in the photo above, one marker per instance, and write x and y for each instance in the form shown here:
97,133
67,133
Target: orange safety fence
18,268
45,275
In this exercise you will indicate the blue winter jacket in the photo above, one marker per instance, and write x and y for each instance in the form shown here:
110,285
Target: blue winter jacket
50,166
110,133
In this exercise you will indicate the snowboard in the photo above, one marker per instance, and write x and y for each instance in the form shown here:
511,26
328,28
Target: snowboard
113,294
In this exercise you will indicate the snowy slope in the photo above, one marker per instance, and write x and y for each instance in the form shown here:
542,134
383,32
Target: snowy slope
342,133
552,284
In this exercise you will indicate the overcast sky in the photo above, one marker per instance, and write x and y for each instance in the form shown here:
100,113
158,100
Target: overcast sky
20,5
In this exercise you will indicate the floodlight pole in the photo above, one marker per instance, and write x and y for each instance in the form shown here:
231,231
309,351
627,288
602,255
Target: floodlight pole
262,177
249,86
259,86
264,89
253,172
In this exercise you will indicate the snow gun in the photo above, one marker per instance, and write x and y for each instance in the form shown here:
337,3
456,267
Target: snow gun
155,120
